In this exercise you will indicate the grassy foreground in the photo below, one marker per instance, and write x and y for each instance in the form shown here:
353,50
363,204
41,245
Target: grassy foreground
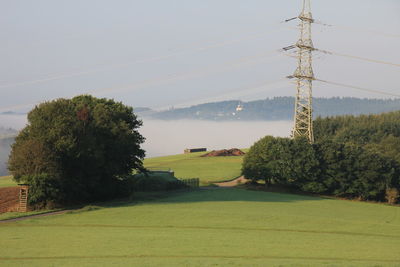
208,169
7,181
222,227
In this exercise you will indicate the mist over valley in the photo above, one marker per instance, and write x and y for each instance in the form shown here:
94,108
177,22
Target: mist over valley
172,137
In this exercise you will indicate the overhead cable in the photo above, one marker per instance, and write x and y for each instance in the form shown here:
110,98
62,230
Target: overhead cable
190,74
359,29
359,58
236,92
106,67
359,88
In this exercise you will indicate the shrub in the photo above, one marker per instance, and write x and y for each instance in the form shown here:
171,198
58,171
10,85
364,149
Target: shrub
43,189
155,181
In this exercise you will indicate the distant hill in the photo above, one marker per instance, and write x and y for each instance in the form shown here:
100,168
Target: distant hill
278,108
144,112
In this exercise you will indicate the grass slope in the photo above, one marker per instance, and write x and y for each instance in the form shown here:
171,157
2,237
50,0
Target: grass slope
224,227
7,181
208,169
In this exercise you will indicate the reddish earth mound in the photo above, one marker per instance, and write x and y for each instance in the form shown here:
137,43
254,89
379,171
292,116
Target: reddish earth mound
9,199
225,153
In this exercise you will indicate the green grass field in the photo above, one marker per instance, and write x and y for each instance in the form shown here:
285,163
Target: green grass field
209,170
215,227
6,181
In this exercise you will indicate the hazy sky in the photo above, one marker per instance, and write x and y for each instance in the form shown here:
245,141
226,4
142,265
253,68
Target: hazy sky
160,53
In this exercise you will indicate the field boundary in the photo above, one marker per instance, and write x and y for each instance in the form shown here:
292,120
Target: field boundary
25,217
266,257
6,224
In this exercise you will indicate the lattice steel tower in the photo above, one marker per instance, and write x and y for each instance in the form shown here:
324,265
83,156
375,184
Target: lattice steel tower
303,125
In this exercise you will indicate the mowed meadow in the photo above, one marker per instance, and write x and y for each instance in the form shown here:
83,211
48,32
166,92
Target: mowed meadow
208,227
227,227
208,169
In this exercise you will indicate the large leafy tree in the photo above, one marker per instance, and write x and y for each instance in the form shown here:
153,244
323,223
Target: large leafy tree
78,149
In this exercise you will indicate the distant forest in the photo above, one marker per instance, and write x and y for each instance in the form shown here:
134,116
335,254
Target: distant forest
278,108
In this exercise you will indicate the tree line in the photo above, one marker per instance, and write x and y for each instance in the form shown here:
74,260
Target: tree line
353,157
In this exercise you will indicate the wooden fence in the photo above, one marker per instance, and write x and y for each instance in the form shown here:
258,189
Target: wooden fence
194,182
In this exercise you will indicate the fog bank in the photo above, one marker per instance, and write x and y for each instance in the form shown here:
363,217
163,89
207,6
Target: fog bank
14,121
172,137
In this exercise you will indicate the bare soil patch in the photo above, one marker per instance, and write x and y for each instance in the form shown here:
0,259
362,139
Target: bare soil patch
9,199
237,181
225,153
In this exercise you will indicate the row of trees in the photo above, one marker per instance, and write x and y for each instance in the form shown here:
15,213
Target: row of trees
76,150
331,167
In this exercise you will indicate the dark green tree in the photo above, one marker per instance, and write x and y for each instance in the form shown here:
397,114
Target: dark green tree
283,161
82,148
266,160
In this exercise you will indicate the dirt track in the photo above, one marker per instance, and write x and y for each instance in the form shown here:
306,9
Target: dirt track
237,181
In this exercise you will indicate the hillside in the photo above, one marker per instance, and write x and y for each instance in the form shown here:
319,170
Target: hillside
278,108
208,169
216,227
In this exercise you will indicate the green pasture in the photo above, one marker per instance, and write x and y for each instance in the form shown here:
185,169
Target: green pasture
214,227
7,181
208,169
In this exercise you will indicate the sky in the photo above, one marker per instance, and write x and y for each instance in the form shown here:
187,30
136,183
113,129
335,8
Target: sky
164,53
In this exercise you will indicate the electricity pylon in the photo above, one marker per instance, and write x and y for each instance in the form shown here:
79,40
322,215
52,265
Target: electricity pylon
303,122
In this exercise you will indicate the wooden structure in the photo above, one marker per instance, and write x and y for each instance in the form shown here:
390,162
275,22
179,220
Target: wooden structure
23,197
194,150
194,182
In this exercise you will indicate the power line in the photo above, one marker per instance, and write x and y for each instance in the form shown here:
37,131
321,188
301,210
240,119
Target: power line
358,57
359,88
188,75
171,78
359,29
237,92
195,49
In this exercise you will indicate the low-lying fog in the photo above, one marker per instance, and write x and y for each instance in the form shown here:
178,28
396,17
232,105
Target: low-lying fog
172,137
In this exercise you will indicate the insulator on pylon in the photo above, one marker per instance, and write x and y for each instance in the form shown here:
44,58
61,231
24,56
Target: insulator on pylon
307,16
305,44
